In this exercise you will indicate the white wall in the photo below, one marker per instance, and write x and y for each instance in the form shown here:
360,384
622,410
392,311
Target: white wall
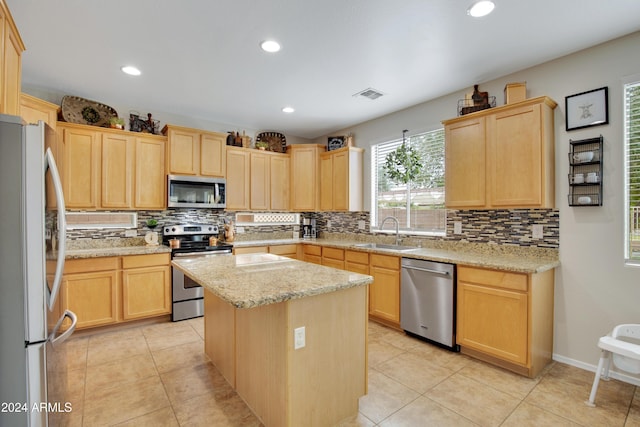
594,289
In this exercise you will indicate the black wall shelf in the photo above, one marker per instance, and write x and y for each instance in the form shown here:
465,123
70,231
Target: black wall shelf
585,172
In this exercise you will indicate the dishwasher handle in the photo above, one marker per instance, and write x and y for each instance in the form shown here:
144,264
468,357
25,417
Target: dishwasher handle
427,270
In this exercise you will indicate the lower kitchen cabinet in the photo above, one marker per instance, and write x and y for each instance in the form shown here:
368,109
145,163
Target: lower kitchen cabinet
110,290
384,292
356,261
289,251
506,318
312,253
90,288
146,286
333,257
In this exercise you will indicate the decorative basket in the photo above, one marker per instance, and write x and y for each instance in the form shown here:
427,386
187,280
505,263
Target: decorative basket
86,112
466,106
277,142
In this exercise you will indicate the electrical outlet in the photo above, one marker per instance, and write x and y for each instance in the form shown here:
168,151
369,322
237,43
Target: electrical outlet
298,338
47,234
239,230
537,230
130,233
361,225
329,223
457,227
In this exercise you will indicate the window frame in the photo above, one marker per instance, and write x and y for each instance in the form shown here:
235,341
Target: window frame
374,219
629,84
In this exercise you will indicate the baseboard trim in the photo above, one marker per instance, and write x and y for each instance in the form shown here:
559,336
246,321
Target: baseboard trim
592,368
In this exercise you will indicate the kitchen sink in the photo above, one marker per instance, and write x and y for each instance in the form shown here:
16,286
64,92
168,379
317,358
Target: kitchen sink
399,248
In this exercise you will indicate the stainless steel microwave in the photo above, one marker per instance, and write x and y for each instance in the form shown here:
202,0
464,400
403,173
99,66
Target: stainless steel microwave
196,192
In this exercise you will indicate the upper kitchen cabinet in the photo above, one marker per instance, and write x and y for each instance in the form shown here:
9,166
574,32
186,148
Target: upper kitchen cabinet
11,48
341,180
195,152
111,169
502,157
238,178
305,176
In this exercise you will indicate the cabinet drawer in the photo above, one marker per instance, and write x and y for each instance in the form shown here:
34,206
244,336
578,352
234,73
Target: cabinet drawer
312,250
333,253
502,279
88,265
283,249
137,261
251,250
357,257
385,261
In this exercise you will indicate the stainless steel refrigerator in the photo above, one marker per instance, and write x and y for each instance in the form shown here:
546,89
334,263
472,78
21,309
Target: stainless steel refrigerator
29,335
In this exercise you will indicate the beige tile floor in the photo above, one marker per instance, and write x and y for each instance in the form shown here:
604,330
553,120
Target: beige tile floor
158,375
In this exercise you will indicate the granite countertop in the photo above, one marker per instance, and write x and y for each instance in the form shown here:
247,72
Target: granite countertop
252,280
96,248
510,258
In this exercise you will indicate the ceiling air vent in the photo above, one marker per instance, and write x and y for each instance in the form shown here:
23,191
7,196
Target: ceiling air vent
369,93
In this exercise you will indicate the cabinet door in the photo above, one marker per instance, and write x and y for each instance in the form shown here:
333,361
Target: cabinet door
384,294
341,181
280,181
117,162
260,185
33,109
93,297
184,152
465,164
238,177
326,182
146,292
289,251
81,167
12,70
515,169
212,154
305,178
493,321
149,177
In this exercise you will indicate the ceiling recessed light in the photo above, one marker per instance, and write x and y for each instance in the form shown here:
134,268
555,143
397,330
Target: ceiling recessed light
270,46
131,70
288,110
480,8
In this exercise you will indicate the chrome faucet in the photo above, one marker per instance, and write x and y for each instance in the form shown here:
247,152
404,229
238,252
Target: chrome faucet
398,241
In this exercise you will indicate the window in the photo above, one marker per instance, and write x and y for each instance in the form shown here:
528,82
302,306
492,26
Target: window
632,170
418,205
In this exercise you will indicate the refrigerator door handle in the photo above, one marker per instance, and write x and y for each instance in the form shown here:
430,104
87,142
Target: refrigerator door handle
50,163
55,341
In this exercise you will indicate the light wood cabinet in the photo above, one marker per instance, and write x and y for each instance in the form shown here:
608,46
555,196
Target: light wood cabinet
149,182
341,180
312,253
195,152
91,289
384,292
11,48
109,290
146,286
305,176
260,181
238,179
502,157
280,180
251,250
333,257
506,318
289,251
356,261
80,148
111,169
32,110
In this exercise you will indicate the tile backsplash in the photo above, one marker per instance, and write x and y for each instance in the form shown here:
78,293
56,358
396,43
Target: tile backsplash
503,227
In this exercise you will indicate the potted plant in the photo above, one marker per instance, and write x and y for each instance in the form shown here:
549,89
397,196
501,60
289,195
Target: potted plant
262,145
116,123
152,223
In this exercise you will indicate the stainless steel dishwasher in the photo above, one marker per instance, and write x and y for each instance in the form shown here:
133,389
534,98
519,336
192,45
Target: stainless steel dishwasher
428,301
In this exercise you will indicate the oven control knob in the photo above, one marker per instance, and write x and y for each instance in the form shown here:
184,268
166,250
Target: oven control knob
210,228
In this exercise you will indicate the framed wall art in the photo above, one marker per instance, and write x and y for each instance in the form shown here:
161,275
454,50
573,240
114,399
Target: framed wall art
587,109
335,142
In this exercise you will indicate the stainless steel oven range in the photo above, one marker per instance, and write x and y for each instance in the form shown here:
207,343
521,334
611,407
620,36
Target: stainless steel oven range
190,241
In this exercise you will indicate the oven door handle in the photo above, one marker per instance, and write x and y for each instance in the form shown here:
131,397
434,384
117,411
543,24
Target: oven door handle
201,254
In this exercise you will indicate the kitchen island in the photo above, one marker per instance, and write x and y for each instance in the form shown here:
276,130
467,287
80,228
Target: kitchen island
290,337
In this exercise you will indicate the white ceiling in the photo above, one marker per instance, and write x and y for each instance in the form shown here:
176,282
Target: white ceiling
201,58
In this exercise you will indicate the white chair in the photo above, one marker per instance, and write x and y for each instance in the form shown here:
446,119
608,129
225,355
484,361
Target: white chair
626,354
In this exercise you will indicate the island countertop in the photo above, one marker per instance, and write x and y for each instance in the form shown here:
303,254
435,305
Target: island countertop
252,280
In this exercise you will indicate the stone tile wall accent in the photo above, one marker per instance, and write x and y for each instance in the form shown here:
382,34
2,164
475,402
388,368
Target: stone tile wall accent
502,227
